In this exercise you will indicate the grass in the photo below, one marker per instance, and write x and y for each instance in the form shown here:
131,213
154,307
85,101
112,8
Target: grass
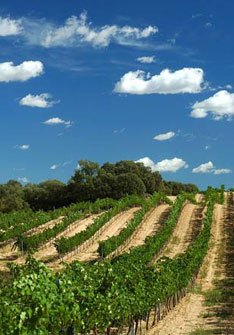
213,297
196,289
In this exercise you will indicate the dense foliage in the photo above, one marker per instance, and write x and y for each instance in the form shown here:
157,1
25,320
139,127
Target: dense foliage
89,182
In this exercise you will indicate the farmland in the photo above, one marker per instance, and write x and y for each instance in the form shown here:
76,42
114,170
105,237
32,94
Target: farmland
142,265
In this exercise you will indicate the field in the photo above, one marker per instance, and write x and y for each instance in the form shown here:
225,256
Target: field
159,265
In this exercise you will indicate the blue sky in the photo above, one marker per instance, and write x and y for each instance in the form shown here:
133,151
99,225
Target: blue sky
112,80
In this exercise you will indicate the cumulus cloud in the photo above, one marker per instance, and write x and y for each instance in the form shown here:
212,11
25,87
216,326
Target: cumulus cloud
23,180
204,168
43,100
146,59
78,30
210,168
186,80
220,105
22,72
164,137
9,27
166,165
56,121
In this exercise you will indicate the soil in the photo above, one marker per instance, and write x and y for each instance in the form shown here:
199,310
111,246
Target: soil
48,251
112,229
148,227
188,315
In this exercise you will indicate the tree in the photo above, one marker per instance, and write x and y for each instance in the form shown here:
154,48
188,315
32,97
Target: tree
47,195
11,197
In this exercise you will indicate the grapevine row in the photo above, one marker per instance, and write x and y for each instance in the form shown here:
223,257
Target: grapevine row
65,245
108,246
95,298
75,213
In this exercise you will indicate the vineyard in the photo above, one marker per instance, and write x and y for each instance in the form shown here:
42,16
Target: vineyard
139,265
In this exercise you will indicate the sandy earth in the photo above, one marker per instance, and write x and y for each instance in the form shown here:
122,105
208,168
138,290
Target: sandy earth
112,228
179,240
41,228
187,315
148,227
180,237
9,253
49,251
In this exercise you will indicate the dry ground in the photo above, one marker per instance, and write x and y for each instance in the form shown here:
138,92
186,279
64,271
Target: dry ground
187,316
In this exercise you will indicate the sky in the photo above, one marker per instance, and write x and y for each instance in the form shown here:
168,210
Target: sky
103,80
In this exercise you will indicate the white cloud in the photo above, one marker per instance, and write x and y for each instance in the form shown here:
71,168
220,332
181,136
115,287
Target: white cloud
63,165
210,168
220,105
23,180
54,166
22,72
78,30
204,168
186,80
166,165
24,146
222,171
10,27
164,137
56,120
43,100
146,59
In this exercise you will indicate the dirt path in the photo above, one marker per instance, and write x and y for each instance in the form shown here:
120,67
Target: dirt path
41,228
189,223
179,240
187,316
148,228
9,253
48,252
90,253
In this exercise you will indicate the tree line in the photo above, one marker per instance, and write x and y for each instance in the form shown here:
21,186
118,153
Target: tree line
89,182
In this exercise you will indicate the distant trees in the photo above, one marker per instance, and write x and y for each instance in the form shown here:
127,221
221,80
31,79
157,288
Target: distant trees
89,182
174,188
46,195
11,197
